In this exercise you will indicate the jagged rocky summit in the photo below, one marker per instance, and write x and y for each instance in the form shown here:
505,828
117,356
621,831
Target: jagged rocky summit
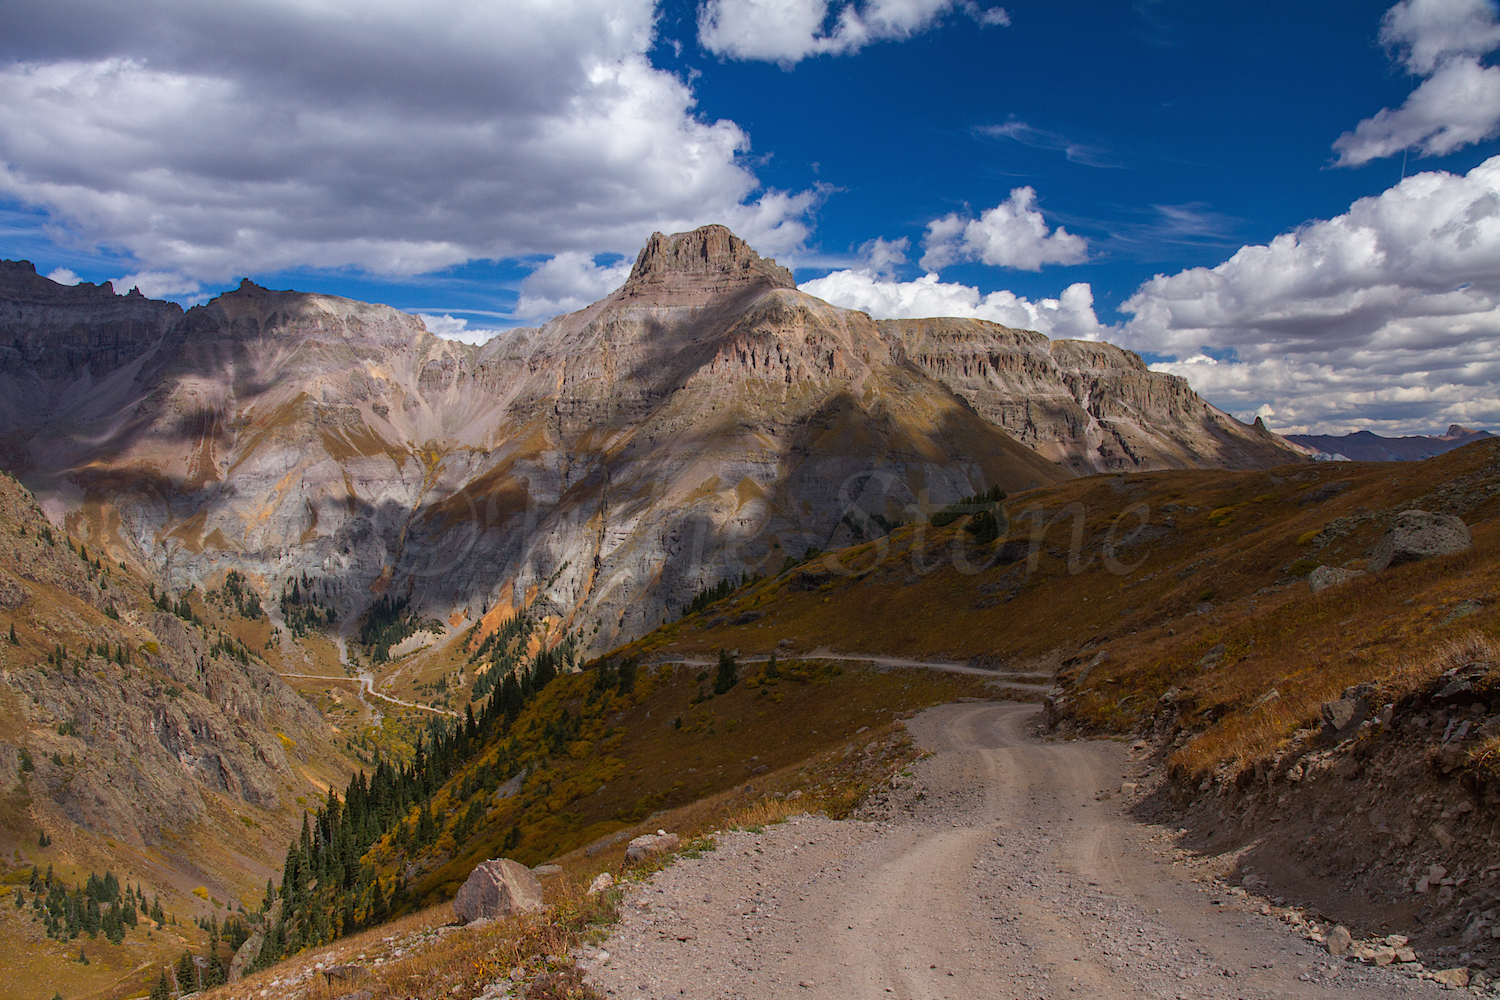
705,420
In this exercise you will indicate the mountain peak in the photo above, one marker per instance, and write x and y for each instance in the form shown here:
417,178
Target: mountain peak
692,268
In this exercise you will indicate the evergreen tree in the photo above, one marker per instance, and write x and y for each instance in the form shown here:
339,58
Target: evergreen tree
14,640
771,669
162,990
215,974
187,973
728,675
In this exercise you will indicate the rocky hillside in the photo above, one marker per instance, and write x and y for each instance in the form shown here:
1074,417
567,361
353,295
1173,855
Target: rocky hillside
138,739
705,421
1312,668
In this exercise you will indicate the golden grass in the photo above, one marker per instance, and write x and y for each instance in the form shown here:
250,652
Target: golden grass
1238,540
632,767
440,959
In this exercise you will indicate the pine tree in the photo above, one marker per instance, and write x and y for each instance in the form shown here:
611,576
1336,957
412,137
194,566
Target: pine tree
215,974
187,973
162,990
14,640
728,675
771,669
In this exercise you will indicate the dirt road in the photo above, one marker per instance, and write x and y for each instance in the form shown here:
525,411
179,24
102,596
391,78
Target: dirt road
1019,680
1000,873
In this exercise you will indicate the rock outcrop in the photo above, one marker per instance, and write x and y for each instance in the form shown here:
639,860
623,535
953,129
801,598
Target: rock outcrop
495,889
1417,534
82,330
704,421
699,267
1324,577
1091,407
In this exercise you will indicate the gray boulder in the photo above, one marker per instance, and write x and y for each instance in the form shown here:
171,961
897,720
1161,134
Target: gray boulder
497,888
1329,576
652,845
1418,534
1341,718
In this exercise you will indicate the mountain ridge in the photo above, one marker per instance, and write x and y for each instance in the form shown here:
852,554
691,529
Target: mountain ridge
1365,446
704,421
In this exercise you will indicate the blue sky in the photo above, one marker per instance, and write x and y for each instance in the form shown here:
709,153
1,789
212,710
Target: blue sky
1104,170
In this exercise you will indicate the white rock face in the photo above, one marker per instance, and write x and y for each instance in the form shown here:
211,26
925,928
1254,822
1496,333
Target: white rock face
704,421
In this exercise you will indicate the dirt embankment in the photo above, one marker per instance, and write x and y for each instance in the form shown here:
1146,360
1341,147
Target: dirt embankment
1385,818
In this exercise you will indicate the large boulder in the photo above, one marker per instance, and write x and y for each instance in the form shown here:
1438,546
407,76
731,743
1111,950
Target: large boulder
1418,534
497,888
652,845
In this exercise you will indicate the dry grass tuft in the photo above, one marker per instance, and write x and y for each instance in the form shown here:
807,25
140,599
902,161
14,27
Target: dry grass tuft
766,812
441,959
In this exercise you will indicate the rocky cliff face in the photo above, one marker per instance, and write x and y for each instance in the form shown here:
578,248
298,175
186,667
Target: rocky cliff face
705,420
1091,407
699,267
150,745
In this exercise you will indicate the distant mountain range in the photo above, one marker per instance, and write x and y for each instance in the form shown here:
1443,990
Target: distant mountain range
1363,446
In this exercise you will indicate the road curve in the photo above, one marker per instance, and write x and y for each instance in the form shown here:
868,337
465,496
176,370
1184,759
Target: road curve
1001,873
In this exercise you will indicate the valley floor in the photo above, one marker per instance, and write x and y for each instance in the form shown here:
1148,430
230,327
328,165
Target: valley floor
1001,866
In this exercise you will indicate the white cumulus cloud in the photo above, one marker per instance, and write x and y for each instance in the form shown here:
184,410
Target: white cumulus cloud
64,276
788,31
569,282
1387,316
1458,101
1012,234
242,136
451,327
160,285
1069,315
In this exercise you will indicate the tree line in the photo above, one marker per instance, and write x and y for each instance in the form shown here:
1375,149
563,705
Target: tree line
328,888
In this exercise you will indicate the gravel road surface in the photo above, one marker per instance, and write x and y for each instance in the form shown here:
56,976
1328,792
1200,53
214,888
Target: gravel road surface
1000,872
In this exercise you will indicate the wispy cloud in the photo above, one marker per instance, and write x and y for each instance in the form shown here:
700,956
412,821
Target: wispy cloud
1154,25
1160,232
1088,154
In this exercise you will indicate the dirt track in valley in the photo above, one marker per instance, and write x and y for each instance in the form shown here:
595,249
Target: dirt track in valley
1000,872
